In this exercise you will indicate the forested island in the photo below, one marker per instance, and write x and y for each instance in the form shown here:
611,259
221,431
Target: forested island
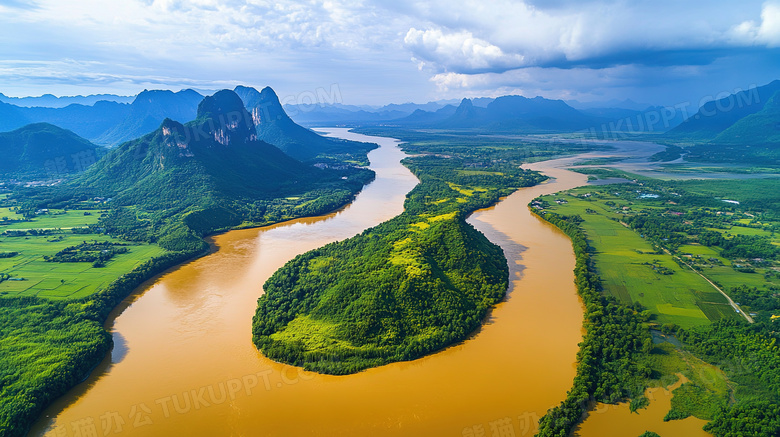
405,288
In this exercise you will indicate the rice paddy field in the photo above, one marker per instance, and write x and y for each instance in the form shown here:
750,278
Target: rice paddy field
633,270
48,233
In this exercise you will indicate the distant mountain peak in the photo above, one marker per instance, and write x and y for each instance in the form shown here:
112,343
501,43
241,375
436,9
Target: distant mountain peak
224,116
268,107
465,110
269,94
151,95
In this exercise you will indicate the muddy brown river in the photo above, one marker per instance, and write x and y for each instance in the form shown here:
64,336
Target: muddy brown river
184,363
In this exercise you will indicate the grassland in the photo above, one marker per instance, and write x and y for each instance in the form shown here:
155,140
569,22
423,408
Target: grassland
33,276
649,242
706,390
54,219
632,269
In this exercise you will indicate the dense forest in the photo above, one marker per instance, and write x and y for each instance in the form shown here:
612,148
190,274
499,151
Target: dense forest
405,288
750,356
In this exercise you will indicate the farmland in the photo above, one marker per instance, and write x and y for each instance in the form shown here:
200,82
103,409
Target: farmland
29,274
632,269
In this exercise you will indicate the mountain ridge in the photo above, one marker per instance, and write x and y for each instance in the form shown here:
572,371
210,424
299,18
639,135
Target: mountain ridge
275,127
760,128
718,115
45,150
148,110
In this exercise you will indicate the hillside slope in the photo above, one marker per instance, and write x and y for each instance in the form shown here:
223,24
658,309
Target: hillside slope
761,128
718,115
183,181
44,150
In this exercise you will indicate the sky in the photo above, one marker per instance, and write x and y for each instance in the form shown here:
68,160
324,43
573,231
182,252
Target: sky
393,51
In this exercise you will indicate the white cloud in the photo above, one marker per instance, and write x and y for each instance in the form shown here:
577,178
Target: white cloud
466,46
766,33
458,50
574,33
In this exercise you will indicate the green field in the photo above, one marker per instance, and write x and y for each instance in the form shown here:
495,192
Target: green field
631,268
52,220
645,239
62,280
31,275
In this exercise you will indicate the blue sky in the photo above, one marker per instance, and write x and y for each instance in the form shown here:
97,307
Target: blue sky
375,52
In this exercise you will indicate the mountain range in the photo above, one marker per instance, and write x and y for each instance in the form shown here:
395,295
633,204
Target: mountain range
505,114
52,101
218,153
106,122
112,122
518,114
148,110
275,127
212,173
267,123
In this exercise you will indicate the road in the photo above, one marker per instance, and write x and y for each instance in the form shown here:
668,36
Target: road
731,301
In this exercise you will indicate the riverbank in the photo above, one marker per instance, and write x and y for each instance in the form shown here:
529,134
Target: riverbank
190,331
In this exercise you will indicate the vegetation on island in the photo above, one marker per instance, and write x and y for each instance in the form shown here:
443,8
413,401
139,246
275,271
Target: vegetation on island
400,290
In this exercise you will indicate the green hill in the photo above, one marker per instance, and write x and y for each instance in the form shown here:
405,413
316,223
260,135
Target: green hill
718,115
44,150
186,180
208,156
403,289
759,129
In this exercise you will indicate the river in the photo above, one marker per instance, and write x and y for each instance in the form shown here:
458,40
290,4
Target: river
184,363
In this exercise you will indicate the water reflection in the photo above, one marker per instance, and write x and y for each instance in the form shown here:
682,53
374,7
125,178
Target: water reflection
119,350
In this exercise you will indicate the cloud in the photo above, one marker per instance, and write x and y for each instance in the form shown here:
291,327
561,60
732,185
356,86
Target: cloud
588,33
766,33
458,50
373,48
688,85
17,4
